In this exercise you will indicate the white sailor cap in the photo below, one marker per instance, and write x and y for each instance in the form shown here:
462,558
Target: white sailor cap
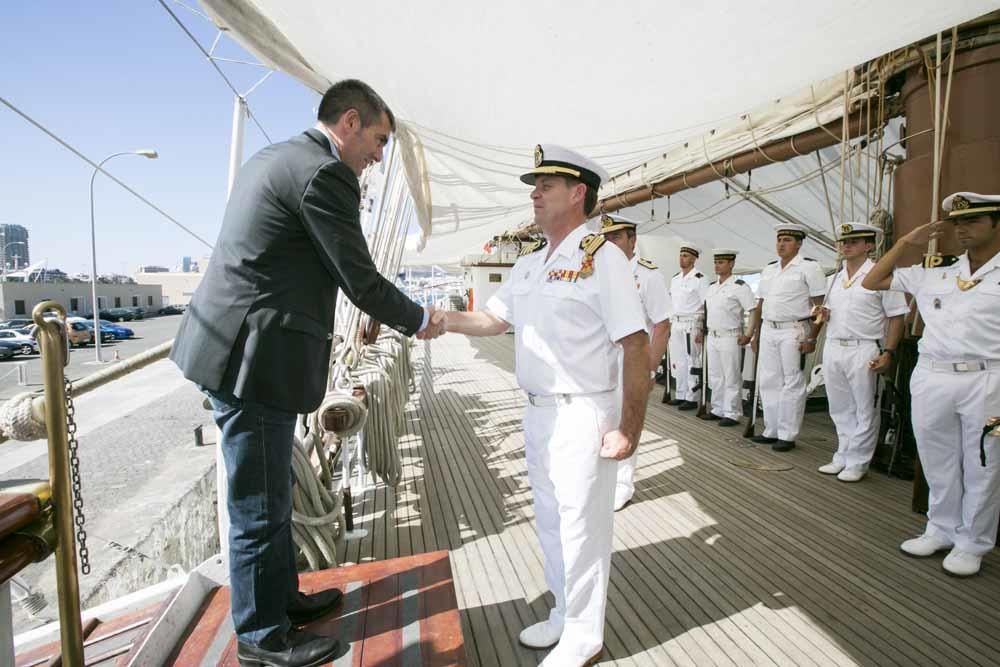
857,230
790,229
552,159
725,253
611,222
962,204
690,248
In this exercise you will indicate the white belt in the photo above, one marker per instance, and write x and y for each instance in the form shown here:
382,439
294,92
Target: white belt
548,400
771,324
687,318
725,333
851,342
959,366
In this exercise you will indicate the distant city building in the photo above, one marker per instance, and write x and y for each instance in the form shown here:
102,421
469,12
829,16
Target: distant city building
185,264
153,269
115,279
14,253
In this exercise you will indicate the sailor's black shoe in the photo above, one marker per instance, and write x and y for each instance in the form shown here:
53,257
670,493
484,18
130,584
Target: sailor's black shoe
303,649
783,445
688,405
763,440
305,609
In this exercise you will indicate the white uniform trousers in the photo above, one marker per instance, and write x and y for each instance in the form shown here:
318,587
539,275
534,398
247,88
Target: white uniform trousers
685,354
782,382
573,489
850,392
724,376
949,411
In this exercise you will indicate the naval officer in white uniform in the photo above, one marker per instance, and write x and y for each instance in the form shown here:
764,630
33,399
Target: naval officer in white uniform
955,389
656,307
572,301
784,333
863,330
687,302
725,302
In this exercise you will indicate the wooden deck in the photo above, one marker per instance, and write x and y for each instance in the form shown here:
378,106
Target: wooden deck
728,555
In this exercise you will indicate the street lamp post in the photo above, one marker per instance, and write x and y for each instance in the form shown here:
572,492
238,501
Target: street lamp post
147,153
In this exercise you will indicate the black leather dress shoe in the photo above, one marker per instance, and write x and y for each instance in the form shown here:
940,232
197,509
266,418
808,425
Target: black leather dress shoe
726,421
763,440
783,445
688,405
710,417
305,609
674,401
304,649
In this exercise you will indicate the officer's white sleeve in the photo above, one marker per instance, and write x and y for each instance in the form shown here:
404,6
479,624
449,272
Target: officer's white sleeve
656,297
765,282
746,297
908,279
501,304
621,308
816,279
894,303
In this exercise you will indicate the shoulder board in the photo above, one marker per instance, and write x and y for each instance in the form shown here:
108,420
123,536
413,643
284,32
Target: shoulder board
676,274
648,264
532,246
698,275
740,282
591,243
774,262
939,261
809,259
714,282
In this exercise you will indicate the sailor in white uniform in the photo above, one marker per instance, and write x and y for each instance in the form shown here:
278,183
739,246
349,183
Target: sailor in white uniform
863,330
687,302
725,302
655,299
784,333
572,301
955,389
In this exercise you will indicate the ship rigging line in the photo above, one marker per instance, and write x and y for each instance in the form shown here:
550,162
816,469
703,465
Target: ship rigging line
93,164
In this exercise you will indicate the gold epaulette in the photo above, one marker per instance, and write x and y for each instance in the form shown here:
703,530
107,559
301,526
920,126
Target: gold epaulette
532,246
938,261
648,264
590,244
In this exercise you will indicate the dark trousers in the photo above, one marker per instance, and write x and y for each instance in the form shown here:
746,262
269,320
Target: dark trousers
257,449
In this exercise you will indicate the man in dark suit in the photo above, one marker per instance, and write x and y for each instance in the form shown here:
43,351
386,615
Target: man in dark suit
257,336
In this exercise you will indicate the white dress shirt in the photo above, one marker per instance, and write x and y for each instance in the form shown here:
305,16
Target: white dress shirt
653,294
859,313
786,291
687,292
725,303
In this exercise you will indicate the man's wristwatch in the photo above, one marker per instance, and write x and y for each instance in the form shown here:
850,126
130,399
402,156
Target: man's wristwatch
892,353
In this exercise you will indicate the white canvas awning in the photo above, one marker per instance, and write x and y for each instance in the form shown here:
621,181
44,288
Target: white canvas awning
478,84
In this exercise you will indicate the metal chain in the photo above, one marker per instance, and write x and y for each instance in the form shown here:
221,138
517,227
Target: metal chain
74,466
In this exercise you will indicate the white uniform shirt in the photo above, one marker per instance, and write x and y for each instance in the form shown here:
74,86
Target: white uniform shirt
958,326
786,291
687,292
856,312
565,331
726,302
653,294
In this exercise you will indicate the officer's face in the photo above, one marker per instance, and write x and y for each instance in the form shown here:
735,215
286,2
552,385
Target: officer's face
724,267
624,240
363,145
686,260
787,246
553,198
973,232
854,248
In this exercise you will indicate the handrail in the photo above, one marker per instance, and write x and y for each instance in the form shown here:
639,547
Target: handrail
52,344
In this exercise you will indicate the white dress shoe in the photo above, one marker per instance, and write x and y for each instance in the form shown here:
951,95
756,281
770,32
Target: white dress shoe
960,563
540,635
622,496
830,468
923,546
852,474
569,658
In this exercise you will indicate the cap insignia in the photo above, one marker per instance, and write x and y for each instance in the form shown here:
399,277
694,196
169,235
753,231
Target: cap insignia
539,155
960,203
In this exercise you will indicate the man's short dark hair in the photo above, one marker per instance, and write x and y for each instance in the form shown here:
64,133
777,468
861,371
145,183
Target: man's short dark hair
589,197
354,94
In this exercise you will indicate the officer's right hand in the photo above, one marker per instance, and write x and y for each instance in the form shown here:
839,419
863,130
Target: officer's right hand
616,445
921,235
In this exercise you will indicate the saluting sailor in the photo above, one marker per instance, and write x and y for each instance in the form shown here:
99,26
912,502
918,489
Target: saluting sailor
955,389
571,300
656,307
725,301
687,301
784,333
863,331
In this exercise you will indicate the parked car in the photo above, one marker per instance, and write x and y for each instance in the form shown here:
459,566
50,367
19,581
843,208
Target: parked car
7,349
15,323
28,345
137,312
107,335
79,334
119,315
117,330
170,310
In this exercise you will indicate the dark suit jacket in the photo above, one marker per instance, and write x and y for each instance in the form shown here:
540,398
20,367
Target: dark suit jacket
259,325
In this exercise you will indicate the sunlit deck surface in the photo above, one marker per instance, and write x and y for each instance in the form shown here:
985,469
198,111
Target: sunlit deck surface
716,562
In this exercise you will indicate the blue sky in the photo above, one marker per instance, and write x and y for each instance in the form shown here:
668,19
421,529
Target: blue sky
119,75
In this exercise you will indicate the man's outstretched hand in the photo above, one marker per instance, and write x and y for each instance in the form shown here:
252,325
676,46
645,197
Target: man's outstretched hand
436,325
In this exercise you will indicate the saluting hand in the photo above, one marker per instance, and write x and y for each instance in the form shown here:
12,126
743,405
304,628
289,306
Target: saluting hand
920,236
616,445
